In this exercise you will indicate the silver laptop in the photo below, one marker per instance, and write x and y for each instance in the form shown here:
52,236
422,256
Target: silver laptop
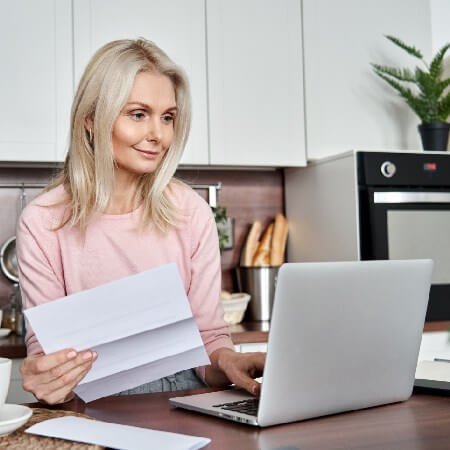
343,336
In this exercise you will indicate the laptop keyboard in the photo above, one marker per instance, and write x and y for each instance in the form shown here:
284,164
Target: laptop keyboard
249,406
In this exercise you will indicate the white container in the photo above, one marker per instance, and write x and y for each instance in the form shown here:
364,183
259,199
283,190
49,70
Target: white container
5,376
234,307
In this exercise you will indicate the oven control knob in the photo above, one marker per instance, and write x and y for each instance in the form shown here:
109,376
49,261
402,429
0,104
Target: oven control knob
388,169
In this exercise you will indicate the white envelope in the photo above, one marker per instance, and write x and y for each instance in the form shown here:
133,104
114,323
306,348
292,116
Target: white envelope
141,327
115,435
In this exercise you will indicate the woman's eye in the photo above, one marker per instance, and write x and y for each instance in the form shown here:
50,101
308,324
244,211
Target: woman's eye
168,118
137,115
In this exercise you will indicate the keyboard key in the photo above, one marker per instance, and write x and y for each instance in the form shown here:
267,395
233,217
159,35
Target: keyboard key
249,406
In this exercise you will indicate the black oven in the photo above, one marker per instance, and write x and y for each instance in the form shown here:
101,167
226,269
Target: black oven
404,213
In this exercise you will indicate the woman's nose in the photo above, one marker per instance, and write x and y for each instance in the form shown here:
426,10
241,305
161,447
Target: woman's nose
154,132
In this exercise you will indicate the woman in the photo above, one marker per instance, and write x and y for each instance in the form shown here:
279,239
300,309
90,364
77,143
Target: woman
116,210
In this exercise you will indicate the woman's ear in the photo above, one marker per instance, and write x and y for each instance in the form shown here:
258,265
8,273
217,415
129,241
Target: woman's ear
88,124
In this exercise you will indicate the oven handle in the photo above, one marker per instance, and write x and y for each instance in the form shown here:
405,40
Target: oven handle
411,197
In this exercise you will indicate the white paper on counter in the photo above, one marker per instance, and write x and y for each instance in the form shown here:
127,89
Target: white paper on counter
435,344
115,435
141,327
433,370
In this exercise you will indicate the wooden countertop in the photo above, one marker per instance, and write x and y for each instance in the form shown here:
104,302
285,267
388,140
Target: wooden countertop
248,332
13,346
421,422
437,326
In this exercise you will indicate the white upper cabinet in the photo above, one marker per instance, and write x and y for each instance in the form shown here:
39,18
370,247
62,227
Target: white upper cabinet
36,78
177,26
347,105
243,59
255,82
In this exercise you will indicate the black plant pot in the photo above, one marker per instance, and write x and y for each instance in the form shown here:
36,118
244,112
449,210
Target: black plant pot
434,135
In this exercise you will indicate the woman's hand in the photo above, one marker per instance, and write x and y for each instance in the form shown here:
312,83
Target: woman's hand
52,378
237,368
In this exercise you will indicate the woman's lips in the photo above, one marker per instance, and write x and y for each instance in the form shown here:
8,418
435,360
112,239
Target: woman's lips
147,152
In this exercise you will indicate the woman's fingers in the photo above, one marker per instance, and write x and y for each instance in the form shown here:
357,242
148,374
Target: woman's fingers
258,361
69,377
49,376
241,379
244,368
43,363
58,390
59,371
33,379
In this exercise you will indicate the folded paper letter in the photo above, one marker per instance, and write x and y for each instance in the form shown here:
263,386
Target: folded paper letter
141,327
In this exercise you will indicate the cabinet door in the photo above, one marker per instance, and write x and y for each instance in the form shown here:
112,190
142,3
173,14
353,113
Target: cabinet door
347,105
177,26
36,79
255,82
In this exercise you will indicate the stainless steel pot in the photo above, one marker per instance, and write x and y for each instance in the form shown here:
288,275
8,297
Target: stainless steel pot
260,283
8,256
8,260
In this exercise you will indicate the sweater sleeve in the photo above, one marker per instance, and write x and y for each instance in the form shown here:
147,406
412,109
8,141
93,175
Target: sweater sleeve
204,289
40,271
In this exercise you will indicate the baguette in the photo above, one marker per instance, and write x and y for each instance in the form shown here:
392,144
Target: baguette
262,254
280,231
251,244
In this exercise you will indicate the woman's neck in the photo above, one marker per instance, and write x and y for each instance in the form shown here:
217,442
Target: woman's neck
120,204
123,196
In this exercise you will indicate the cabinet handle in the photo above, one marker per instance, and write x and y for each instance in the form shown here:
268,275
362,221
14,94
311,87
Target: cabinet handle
411,197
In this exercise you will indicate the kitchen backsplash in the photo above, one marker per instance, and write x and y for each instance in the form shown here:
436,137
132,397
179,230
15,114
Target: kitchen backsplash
246,194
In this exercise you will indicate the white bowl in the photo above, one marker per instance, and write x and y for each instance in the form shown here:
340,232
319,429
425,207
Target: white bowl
234,307
13,417
4,332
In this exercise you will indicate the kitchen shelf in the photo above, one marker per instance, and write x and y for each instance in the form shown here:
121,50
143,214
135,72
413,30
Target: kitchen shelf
249,332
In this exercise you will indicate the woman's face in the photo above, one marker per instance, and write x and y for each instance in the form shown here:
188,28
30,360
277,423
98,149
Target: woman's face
144,129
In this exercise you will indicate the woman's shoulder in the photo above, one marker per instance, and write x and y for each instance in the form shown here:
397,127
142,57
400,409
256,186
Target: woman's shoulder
47,208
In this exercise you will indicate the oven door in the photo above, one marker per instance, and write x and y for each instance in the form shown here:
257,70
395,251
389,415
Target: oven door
410,224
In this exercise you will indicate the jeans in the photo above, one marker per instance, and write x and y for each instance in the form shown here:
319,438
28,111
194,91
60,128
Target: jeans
186,379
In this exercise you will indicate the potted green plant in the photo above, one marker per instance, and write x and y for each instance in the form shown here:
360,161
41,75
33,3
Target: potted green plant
425,90
224,227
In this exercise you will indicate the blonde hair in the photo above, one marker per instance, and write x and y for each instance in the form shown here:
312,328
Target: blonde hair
88,172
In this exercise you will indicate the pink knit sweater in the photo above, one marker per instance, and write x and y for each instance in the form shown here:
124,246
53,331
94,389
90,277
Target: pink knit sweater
53,264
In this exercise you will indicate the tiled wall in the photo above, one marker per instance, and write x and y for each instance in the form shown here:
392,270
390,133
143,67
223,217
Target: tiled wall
247,194
10,207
